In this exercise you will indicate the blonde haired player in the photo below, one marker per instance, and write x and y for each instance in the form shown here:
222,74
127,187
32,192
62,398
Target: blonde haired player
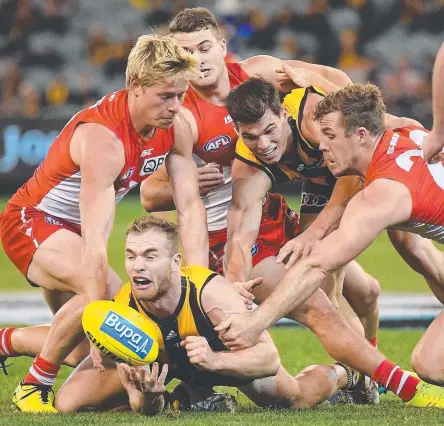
55,227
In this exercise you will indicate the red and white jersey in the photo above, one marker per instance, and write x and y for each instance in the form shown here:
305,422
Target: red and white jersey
399,156
216,143
55,185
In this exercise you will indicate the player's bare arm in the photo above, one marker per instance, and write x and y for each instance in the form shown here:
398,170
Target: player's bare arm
250,184
434,142
382,204
266,66
156,192
100,156
191,215
219,299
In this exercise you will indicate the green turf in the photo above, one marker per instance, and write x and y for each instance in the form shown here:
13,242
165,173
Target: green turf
380,259
298,349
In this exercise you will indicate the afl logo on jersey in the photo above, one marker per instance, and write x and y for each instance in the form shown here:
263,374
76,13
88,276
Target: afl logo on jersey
217,142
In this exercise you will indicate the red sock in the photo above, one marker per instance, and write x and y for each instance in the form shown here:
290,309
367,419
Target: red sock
373,341
42,372
401,383
6,348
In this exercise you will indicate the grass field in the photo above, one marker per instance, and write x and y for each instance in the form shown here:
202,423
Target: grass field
298,349
380,259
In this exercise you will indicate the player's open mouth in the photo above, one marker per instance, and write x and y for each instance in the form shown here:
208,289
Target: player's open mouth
205,72
269,153
141,282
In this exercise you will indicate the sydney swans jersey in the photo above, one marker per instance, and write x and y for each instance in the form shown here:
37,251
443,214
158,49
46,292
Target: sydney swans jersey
399,157
216,143
55,186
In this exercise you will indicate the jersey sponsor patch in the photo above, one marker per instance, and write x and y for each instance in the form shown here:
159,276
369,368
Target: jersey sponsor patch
127,334
217,142
150,165
52,221
313,200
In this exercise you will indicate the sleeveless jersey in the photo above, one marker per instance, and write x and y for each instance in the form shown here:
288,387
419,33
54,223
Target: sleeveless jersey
216,143
307,161
189,319
55,185
399,157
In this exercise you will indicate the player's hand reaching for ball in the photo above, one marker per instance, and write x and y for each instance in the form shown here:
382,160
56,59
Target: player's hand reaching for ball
240,331
144,386
209,177
199,353
246,288
143,379
97,359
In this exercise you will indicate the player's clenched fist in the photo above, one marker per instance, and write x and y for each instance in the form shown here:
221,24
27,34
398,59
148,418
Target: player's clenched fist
199,352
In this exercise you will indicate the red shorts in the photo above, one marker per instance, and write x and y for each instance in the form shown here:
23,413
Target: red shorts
279,224
23,229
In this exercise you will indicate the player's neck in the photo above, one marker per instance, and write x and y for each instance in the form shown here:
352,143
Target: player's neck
136,117
289,147
217,93
367,155
167,304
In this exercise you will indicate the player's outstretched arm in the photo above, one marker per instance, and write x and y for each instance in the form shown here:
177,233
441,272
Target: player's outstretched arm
326,221
382,204
244,217
434,142
270,68
191,215
219,299
100,156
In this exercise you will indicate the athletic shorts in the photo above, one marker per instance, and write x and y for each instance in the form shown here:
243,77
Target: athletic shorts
279,224
23,229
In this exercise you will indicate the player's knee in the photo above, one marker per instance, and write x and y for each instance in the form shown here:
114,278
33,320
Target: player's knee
372,292
427,366
66,403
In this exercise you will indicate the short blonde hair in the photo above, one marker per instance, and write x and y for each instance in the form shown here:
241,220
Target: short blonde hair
154,59
148,223
362,105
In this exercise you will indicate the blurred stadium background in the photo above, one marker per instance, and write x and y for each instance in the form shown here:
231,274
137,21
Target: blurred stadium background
58,56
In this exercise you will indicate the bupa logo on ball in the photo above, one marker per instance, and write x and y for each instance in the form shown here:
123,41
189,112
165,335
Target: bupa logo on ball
217,142
127,334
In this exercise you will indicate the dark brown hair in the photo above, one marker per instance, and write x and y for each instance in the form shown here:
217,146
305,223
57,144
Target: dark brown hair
248,102
362,105
193,19
146,223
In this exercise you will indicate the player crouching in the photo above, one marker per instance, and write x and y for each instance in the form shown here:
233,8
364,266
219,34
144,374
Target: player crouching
183,305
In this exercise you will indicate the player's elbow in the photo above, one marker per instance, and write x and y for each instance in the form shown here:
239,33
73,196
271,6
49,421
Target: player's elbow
271,361
339,77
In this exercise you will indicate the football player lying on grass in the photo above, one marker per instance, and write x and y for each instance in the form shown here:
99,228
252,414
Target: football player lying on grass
183,306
